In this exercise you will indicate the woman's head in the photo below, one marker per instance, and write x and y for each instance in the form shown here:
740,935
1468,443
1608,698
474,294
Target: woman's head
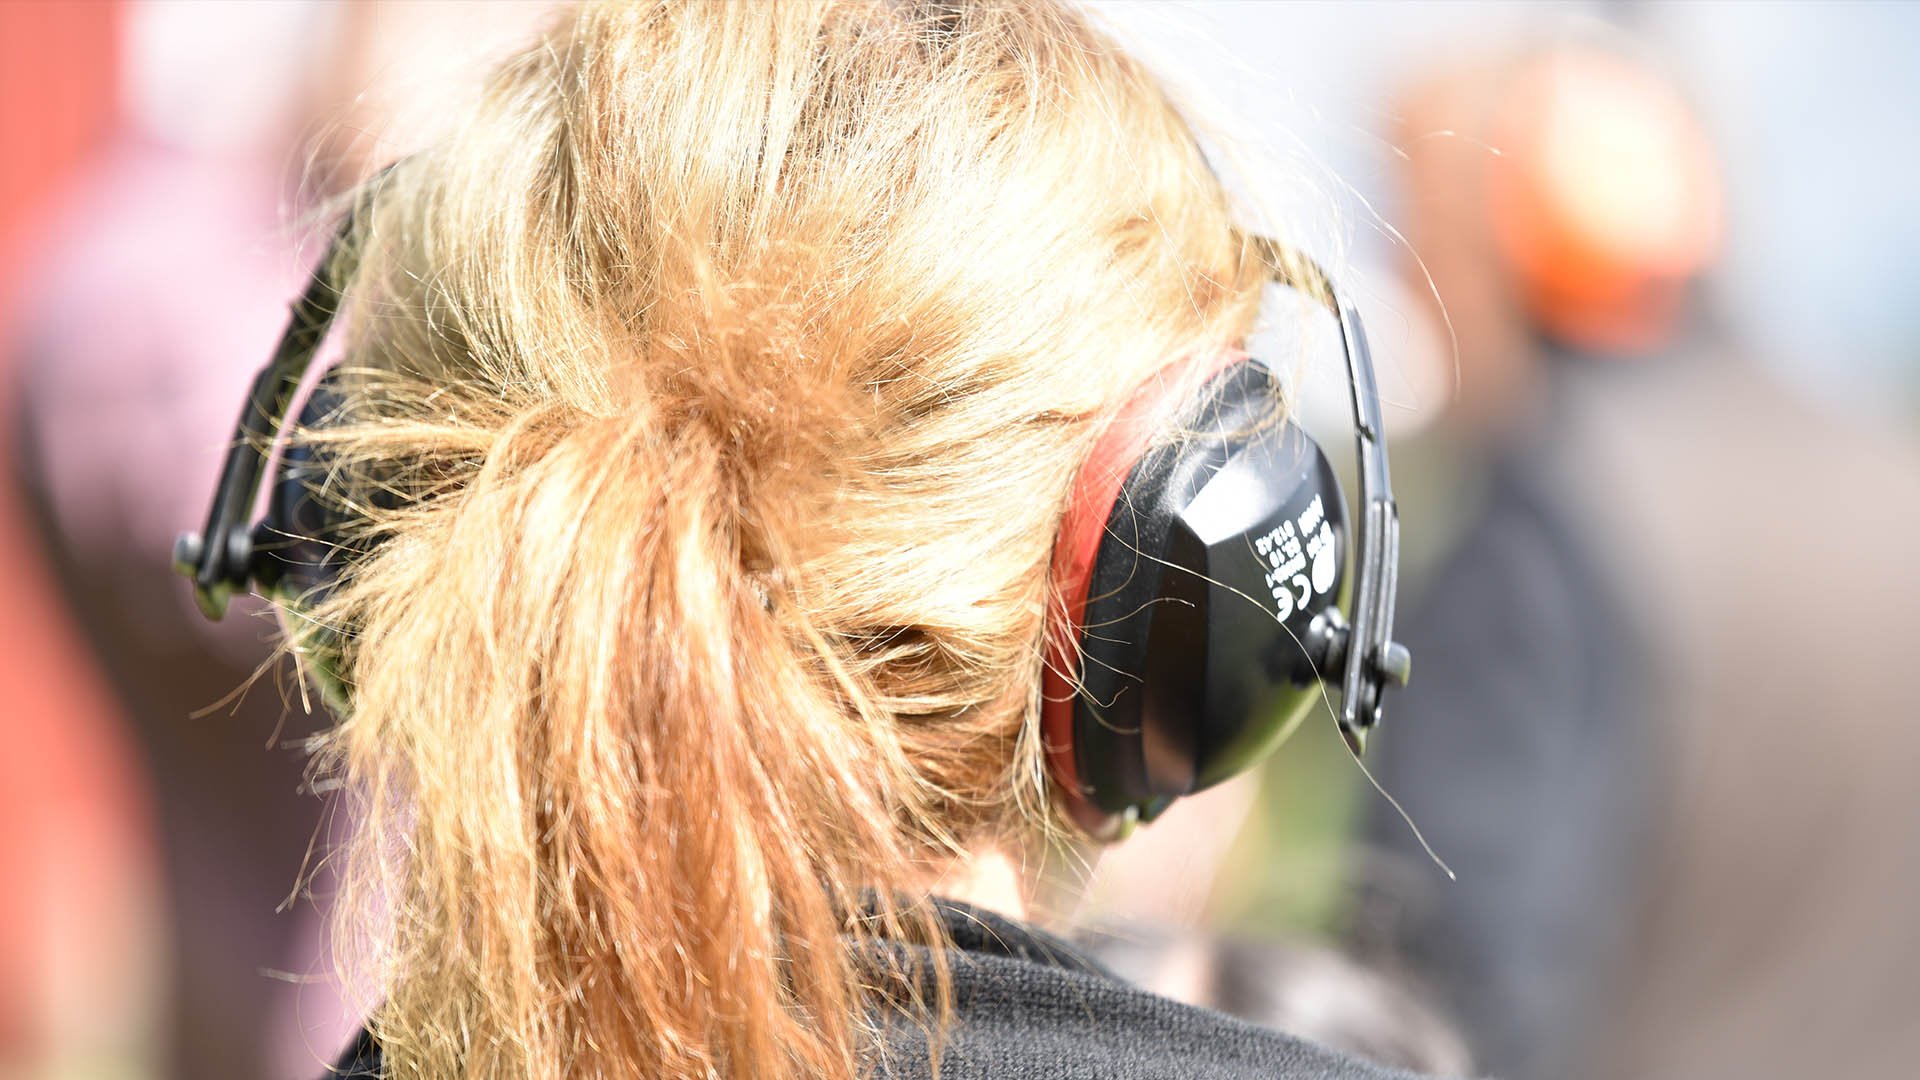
724,374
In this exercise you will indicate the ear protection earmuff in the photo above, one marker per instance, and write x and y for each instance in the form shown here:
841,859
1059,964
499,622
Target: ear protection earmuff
1200,564
297,549
1200,561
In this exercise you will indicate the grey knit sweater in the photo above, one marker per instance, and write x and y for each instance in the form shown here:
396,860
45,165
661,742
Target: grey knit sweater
1030,1007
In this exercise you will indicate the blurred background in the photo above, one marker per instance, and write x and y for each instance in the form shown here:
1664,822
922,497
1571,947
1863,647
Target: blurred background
1639,279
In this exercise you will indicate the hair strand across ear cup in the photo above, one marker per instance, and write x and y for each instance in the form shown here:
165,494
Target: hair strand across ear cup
1200,565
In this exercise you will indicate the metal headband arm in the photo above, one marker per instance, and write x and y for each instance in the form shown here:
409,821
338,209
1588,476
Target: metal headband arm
219,559
1373,657
1367,658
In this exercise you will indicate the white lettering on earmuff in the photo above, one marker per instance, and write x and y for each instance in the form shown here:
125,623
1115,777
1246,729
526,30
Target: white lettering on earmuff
1286,557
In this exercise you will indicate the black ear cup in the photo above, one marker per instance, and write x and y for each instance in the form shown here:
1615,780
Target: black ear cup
308,536
300,546
1202,598
1221,549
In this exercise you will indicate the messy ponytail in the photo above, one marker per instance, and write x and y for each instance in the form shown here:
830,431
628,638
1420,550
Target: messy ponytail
716,386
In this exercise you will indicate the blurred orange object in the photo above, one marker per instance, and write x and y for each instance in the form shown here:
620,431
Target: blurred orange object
77,872
56,98
1605,199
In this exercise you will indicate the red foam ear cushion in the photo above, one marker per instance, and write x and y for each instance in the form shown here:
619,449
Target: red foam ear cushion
1131,431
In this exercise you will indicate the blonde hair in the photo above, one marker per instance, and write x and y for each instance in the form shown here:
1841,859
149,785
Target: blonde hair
717,385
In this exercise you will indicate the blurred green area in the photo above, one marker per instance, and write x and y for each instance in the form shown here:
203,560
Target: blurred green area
1287,872
1290,873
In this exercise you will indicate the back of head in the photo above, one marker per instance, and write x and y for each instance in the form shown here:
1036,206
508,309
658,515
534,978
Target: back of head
723,376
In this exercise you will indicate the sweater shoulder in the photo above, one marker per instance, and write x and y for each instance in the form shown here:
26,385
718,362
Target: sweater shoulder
1018,1020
